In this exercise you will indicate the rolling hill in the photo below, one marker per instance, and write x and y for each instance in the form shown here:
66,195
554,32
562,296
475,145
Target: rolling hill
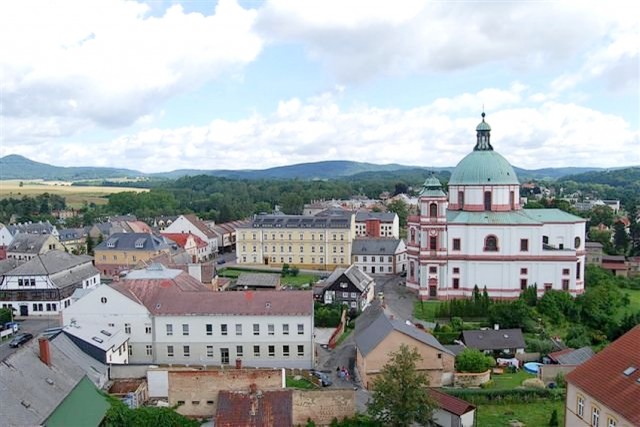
14,166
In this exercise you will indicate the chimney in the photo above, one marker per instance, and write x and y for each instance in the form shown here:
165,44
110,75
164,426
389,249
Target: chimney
45,351
238,363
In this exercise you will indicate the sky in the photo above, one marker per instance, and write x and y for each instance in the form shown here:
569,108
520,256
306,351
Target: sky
164,85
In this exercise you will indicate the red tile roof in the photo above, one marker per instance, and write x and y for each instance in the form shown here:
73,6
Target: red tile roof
451,403
602,377
260,409
181,239
184,295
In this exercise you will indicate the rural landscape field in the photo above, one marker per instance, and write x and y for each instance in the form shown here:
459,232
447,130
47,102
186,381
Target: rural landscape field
75,195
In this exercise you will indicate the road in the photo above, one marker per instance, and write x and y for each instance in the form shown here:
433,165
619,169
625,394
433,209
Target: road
398,299
31,325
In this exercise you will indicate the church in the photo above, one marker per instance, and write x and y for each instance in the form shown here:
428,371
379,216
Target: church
479,234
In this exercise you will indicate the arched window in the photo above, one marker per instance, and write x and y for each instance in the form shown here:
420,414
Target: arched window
487,200
491,244
576,242
413,235
461,199
433,210
412,270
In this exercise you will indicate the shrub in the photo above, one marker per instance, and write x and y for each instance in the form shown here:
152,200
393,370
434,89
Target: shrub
533,383
560,381
474,361
553,421
488,384
517,395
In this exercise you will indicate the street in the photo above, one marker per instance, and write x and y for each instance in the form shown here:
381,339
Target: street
33,325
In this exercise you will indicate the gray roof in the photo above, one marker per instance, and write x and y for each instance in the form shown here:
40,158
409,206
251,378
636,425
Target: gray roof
258,279
300,221
360,279
8,265
30,389
593,245
381,216
455,348
375,246
74,276
50,262
492,339
31,228
27,243
67,234
102,337
369,336
96,371
576,357
133,242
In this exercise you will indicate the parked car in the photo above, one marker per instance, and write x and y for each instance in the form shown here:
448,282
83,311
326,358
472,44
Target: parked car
20,340
222,261
325,381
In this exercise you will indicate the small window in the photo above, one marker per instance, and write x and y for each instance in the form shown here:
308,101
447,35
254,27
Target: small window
209,351
239,351
565,284
576,242
170,352
147,329
456,244
256,351
149,350
523,284
223,329
285,329
185,329
300,350
580,406
272,351
103,300
285,350
169,329
523,271
238,329
524,245
566,272
186,351
300,329
127,328
270,329
595,416
456,270
433,270
256,329
456,283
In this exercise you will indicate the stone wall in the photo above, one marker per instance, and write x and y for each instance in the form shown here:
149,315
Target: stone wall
467,380
323,405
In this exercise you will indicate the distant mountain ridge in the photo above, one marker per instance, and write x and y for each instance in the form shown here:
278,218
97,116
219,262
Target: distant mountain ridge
18,167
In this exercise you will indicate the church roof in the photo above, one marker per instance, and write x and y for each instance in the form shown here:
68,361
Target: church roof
484,168
432,188
519,217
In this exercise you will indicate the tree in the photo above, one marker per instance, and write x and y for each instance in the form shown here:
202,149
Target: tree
292,204
400,394
620,238
473,360
515,314
5,315
553,421
530,295
555,305
601,215
399,208
120,415
90,244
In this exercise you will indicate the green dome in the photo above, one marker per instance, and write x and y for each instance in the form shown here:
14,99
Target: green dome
483,126
483,167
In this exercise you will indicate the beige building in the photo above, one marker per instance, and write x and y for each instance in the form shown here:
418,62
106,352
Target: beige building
605,390
378,335
25,246
123,251
309,242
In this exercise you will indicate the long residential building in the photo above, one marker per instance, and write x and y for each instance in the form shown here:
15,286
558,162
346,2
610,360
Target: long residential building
377,224
172,318
311,242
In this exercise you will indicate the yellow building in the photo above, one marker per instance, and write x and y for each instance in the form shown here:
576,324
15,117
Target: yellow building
123,251
320,242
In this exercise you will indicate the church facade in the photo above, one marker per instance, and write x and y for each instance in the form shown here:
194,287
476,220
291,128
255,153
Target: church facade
479,234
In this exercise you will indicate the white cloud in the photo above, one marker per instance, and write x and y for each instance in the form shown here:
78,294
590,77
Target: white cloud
109,62
364,38
534,136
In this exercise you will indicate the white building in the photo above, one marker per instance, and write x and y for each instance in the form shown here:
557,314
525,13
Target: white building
194,225
5,236
171,318
105,344
480,235
379,256
44,284
377,224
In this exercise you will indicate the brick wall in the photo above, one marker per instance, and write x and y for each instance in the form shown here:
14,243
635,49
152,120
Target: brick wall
322,406
199,389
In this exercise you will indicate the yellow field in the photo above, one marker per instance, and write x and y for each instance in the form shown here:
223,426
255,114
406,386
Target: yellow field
75,195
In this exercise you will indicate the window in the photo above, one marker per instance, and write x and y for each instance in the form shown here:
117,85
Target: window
256,329
487,200
565,284
523,271
433,210
491,244
595,416
456,244
545,240
456,270
433,270
456,283
127,328
272,351
147,329
256,351
239,351
130,350
611,422
354,295
300,329
169,351
186,350
523,284
149,350
209,351
512,200
580,406
461,199
103,300
185,329
578,270
270,329
238,329
548,286
169,329
433,243
524,245
576,242
223,329
285,329
300,350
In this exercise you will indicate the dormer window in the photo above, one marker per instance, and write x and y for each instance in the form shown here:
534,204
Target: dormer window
111,243
140,243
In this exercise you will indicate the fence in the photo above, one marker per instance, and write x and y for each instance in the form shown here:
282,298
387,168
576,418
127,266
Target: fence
339,330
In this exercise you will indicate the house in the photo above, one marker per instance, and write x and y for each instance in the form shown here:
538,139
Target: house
349,286
118,224
258,281
44,284
24,246
5,236
479,234
616,264
171,318
377,335
605,390
194,225
106,344
226,234
377,224
41,385
204,272
571,356
321,242
192,244
123,251
380,256
73,239
33,228
451,411
594,252
510,341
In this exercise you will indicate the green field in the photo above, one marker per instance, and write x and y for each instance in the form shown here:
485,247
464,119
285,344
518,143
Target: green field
75,196
510,380
634,306
530,414
425,310
294,281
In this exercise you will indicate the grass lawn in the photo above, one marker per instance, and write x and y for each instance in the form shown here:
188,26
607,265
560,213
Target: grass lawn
531,414
302,383
509,381
425,310
295,281
634,306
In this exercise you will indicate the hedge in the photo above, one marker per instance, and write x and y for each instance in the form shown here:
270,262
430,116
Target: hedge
517,395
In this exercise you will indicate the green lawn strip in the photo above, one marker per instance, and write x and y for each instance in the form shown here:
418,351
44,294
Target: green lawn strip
302,383
510,380
425,310
633,307
531,414
299,280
